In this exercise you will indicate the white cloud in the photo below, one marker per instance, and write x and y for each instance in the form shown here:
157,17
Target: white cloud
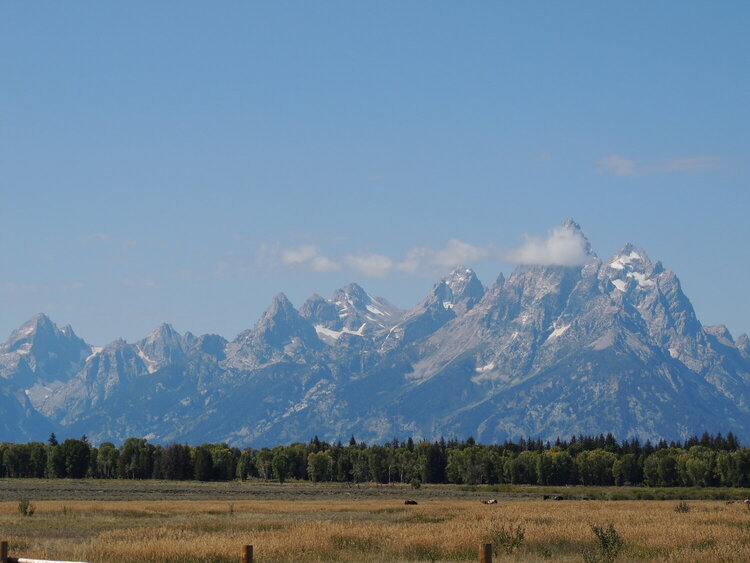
455,252
307,257
564,246
617,165
298,255
322,264
371,265
413,262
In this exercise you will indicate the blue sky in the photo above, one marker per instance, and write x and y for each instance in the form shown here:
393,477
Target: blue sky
183,162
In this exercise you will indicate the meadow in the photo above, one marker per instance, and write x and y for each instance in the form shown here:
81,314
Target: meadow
91,521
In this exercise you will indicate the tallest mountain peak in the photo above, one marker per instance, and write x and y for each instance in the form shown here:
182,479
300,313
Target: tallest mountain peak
570,223
574,230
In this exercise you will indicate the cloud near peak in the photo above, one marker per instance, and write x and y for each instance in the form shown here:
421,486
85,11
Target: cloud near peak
563,246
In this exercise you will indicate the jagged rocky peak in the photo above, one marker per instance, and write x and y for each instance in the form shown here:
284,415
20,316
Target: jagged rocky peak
743,344
164,333
721,333
279,335
464,283
163,346
39,329
630,258
493,292
360,312
280,309
49,352
281,323
350,310
460,290
211,344
352,295
632,268
574,230
440,306
319,310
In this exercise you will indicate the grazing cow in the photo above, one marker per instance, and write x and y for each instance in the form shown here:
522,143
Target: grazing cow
410,502
547,497
490,501
556,497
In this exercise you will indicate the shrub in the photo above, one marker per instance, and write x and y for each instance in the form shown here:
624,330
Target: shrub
25,508
507,538
682,507
416,483
608,545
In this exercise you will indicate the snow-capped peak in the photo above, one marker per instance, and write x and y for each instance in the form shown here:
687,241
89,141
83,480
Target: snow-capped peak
630,258
355,306
632,264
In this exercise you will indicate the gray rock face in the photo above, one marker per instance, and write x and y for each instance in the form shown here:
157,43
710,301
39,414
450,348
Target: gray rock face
162,347
605,346
280,333
351,311
451,297
38,351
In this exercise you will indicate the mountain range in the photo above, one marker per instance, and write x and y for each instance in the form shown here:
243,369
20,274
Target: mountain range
602,346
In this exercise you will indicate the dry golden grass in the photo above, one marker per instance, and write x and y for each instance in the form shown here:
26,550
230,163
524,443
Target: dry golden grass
368,530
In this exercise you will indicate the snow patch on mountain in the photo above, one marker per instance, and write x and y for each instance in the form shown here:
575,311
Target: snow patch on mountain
559,331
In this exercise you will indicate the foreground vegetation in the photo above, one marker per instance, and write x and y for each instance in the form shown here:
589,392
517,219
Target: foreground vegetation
598,460
375,530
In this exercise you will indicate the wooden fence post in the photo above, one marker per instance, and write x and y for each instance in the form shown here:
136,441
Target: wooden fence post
247,554
485,553
4,552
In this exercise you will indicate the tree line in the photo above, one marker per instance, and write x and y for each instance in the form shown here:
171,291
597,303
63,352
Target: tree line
711,460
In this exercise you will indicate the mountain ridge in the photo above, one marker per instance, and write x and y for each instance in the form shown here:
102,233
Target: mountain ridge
553,350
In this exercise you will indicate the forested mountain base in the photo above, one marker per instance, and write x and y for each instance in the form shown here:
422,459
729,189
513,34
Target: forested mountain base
582,460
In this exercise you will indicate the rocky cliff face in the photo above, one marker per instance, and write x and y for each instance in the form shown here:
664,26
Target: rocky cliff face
601,346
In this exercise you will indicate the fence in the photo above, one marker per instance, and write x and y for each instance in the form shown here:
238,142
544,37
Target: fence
246,556
5,558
